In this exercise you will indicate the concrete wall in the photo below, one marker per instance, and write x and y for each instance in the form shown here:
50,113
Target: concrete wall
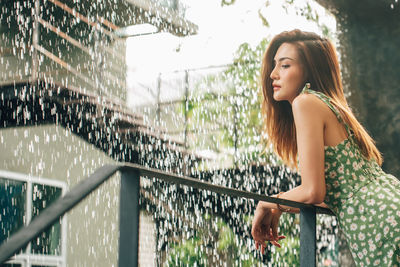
93,226
369,36
372,53
53,152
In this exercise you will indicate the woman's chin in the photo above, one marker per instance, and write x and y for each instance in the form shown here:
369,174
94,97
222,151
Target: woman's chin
277,97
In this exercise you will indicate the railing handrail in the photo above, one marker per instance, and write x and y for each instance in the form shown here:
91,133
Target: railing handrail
62,205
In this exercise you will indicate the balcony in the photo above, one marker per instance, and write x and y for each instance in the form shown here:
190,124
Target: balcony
129,211
78,45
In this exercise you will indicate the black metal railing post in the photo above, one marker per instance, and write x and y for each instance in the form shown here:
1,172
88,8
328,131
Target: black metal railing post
129,211
129,218
308,243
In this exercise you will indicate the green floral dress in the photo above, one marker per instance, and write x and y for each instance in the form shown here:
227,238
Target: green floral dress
365,200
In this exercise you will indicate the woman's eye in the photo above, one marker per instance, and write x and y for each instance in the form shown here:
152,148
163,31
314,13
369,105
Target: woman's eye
285,66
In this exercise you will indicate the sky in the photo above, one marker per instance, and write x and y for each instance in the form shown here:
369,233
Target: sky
220,32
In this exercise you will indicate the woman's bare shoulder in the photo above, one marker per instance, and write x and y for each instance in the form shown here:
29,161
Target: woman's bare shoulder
309,104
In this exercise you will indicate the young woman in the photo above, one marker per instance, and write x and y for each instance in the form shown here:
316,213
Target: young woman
311,127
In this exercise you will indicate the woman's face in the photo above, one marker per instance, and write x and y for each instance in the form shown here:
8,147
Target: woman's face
288,75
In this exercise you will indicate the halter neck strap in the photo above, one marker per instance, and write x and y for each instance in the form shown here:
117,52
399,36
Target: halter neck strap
327,100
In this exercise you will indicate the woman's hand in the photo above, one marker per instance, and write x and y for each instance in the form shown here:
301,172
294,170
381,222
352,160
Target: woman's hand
265,227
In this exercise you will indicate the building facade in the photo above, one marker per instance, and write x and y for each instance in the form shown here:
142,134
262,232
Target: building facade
63,115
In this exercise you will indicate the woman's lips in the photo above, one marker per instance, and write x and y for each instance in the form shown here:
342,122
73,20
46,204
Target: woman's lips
276,87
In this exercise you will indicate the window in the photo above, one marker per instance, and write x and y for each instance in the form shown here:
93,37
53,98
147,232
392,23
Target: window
22,198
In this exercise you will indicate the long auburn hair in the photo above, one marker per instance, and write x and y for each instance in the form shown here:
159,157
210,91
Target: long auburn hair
319,59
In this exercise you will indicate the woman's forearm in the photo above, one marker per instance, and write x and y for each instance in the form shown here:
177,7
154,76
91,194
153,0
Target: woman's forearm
298,194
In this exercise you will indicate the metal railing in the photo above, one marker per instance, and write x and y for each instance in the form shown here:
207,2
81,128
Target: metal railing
54,51
129,211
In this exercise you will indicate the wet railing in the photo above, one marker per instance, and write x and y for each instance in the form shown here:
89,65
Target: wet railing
129,211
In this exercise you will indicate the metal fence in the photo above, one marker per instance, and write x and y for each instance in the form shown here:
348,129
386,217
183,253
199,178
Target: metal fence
129,211
200,108
57,42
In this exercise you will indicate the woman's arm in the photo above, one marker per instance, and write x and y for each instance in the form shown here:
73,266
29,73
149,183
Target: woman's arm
309,116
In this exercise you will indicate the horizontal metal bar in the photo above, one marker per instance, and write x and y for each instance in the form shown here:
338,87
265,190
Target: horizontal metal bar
51,214
85,19
63,35
62,63
75,42
196,183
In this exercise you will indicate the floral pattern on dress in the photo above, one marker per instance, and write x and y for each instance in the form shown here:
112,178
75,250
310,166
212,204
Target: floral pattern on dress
364,198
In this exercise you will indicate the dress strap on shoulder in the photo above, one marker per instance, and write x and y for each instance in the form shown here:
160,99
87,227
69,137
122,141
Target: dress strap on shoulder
327,100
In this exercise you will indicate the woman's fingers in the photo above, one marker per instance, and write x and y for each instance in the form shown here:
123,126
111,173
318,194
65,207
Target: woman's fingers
261,230
275,244
267,227
256,230
261,238
263,244
257,233
274,227
274,232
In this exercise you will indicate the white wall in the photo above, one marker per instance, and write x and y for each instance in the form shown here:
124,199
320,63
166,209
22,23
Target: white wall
53,152
93,226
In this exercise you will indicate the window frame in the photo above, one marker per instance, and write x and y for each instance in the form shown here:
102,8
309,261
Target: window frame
27,258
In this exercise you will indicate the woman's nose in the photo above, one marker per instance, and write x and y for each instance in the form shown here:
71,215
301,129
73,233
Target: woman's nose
274,74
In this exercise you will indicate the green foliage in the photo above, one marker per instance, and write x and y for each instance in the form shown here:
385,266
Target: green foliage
301,8
227,105
263,19
225,110
306,9
289,253
187,254
216,237
227,3
215,244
